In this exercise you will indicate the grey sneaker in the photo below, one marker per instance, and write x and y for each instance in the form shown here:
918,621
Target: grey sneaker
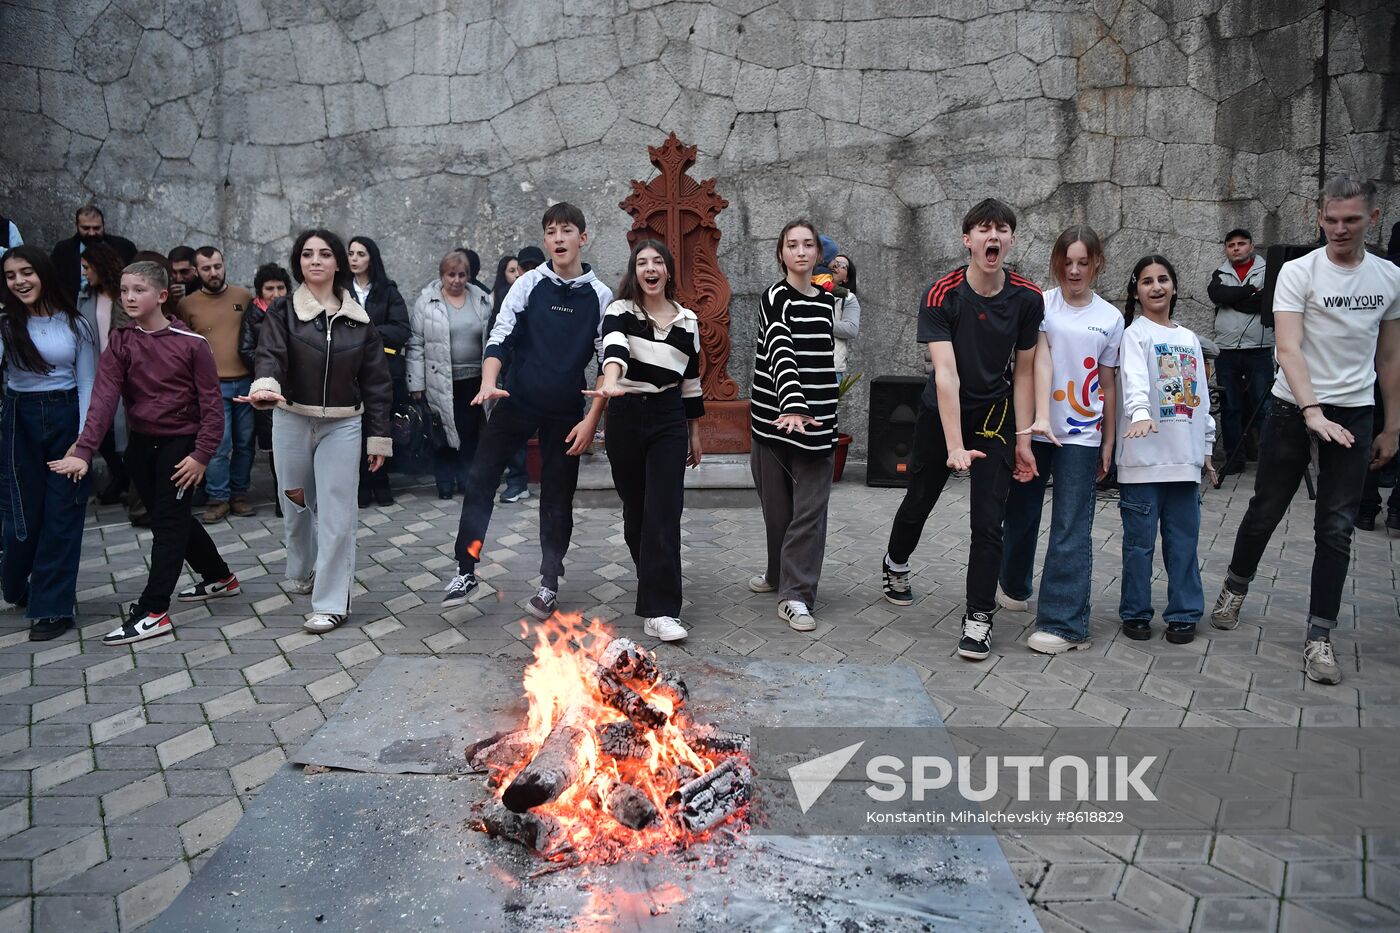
1320,662
1226,614
321,622
796,614
760,584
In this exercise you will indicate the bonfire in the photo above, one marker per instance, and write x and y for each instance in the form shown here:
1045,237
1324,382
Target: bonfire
609,762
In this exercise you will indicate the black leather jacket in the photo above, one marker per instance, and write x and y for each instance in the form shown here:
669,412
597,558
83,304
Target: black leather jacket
326,367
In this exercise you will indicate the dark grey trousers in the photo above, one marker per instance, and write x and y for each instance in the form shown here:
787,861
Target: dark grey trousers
794,487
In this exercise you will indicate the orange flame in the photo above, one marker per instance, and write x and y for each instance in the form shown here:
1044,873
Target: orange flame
560,679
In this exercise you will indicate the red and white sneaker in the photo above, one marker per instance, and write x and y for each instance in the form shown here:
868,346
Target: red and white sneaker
139,626
209,589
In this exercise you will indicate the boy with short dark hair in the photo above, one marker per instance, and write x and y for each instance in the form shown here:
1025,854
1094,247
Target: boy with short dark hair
975,320
175,414
548,330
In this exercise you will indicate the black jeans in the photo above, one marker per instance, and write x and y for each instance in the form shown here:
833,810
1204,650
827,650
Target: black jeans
647,443
451,465
509,427
1245,378
991,481
176,536
1371,493
1285,450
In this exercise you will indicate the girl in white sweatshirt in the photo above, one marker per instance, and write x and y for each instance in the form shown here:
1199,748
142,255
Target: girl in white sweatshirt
1165,438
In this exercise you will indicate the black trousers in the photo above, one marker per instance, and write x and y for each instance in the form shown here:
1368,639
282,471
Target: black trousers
991,482
451,464
647,442
116,469
177,536
509,427
1285,450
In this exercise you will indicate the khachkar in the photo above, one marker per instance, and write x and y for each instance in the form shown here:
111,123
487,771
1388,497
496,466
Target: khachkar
681,212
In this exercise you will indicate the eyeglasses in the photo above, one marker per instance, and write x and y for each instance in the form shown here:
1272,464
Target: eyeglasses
840,265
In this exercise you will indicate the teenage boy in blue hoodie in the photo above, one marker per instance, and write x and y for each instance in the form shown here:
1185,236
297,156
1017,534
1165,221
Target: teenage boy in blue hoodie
548,330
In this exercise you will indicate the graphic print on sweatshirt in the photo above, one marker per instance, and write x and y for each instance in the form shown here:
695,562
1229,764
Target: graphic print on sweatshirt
1177,383
1081,398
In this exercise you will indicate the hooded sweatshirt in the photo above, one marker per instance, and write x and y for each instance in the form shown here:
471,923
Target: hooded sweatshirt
548,330
1162,378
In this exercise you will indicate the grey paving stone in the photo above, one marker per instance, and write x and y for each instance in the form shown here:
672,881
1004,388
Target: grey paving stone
144,902
68,860
75,912
1235,915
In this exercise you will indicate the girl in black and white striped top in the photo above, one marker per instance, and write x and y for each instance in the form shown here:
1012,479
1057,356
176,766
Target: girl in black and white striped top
793,420
651,377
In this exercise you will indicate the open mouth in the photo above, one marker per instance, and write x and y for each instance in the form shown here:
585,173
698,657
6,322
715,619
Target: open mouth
651,281
560,250
993,253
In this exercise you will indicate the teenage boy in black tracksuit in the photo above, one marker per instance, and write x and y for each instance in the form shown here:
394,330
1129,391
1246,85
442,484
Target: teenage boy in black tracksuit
974,415
548,330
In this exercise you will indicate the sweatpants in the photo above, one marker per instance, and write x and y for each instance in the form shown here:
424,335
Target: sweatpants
177,537
794,487
647,443
991,482
509,427
320,457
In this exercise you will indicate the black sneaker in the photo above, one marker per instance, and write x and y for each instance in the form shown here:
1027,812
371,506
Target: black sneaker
1137,629
976,641
543,603
139,626
1180,633
1392,521
1366,521
48,629
209,589
897,589
515,495
459,590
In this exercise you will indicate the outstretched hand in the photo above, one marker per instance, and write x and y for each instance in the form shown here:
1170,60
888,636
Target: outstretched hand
75,468
489,394
262,400
1141,428
960,459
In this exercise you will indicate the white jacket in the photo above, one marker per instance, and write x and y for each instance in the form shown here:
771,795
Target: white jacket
1162,378
429,351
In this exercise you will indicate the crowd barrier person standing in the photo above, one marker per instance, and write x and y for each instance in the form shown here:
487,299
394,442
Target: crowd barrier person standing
379,296
270,282
99,302
170,383
845,326
320,363
47,352
1245,365
91,228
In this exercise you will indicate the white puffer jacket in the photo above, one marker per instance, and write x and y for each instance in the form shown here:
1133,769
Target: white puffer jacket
429,351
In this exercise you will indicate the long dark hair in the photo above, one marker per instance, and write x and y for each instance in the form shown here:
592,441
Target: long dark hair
341,282
629,290
1130,305
377,275
14,323
500,287
791,226
104,260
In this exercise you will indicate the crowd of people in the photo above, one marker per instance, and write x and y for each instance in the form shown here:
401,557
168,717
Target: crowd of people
175,377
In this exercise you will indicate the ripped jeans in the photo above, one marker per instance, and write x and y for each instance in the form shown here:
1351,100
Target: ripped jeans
318,462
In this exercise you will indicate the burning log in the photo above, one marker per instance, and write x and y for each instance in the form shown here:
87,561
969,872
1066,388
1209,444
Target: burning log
629,661
671,686
623,740
500,751
539,831
568,755
628,805
629,702
712,798
706,738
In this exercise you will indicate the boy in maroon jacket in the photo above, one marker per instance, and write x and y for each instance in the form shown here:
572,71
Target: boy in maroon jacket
167,378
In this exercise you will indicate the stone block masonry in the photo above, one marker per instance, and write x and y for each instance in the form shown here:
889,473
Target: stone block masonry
430,124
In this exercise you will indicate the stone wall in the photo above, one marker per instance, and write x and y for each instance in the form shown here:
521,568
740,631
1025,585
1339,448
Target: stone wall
429,123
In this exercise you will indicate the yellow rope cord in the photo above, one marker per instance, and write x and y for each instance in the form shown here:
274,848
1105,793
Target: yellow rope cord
996,431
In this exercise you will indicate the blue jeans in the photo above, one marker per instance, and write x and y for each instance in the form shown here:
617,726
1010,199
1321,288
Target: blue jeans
1176,509
42,512
1063,608
231,468
1245,378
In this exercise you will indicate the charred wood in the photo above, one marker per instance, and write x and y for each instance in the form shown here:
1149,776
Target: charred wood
535,830
671,686
629,661
707,738
628,805
713,797
629,702
567,756
623,740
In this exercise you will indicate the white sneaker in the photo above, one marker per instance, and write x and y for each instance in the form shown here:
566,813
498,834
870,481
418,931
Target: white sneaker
664,628
300,587
322,622
760,584
797,615
1015,605
1050,643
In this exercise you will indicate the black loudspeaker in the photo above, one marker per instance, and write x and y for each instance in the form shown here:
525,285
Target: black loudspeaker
894,404
1274,259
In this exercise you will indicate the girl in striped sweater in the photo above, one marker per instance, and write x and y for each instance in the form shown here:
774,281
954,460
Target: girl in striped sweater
793,421
651,376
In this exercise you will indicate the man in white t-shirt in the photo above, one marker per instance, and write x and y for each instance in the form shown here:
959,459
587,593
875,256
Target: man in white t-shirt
1337,326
